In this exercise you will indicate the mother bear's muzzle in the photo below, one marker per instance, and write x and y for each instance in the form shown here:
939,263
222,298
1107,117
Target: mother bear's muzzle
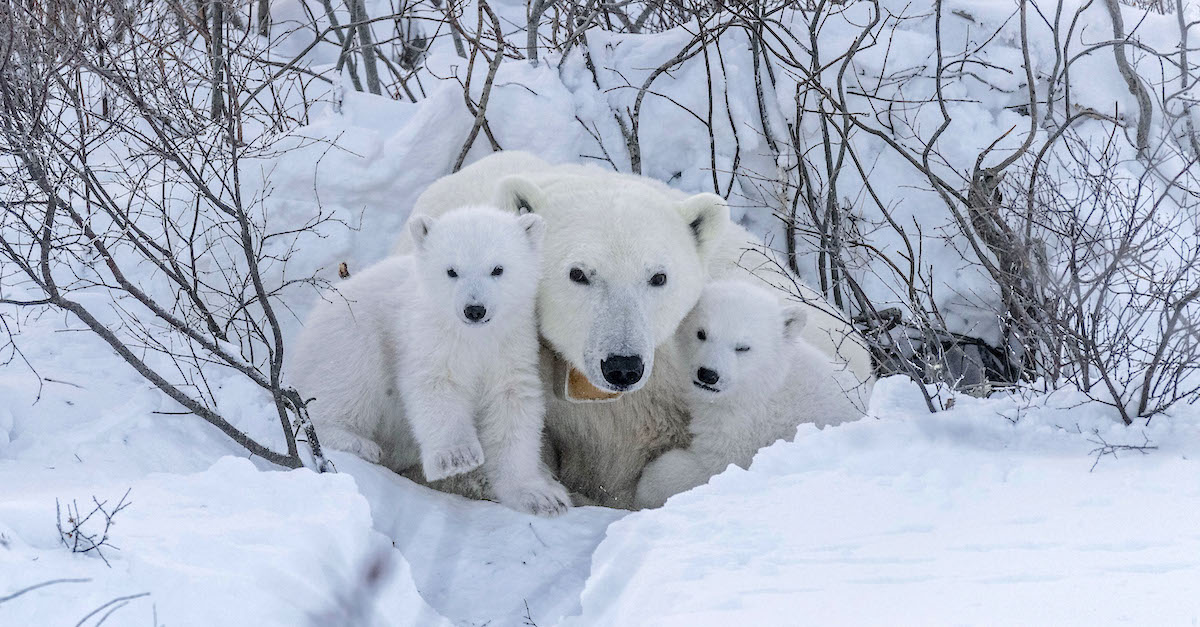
622,371
619,351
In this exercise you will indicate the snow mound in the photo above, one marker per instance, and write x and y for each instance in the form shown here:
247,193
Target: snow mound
231,545
915,518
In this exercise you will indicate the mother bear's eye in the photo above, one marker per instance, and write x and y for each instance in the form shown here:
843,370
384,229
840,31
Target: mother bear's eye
451,273
578,276
658,280
701,335
741,349
498,270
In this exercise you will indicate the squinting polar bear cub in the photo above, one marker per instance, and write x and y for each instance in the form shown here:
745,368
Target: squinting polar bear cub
751,380
435,357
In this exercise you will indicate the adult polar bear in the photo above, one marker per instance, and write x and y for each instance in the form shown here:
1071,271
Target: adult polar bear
625,259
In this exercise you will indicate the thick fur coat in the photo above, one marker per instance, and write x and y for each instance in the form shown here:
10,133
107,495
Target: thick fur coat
608,238
750,380
432,359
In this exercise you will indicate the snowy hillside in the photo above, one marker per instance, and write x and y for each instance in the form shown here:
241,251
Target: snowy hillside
844,134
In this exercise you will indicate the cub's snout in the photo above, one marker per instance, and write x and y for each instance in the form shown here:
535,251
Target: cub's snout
475,314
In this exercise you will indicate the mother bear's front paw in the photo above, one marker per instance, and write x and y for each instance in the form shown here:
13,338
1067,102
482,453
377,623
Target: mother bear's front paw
540,497
452,460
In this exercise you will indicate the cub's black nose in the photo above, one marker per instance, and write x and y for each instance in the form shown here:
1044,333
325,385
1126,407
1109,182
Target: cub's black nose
475,313
707,377
622,370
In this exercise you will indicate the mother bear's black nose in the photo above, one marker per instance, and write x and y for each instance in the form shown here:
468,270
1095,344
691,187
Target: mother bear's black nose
475,313
622,370
707,377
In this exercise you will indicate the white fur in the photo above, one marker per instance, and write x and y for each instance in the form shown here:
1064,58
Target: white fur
395,358
751,380
618,236
619,229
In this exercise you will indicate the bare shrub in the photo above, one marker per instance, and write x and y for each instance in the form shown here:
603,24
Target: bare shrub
1105,448
1121,293
125,204
88,532
127,128
1088,243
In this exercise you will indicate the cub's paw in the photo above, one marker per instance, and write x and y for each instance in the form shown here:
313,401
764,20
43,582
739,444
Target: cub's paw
452,460
345,441
368,451
540,497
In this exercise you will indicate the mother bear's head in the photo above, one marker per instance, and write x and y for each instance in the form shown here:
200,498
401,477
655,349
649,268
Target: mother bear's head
623,263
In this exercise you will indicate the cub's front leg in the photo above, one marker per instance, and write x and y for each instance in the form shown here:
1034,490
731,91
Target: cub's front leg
511,430
442,419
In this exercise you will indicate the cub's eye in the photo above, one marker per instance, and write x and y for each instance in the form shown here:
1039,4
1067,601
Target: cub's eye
451,273
658,280
742,349
498,270
701,335
578,276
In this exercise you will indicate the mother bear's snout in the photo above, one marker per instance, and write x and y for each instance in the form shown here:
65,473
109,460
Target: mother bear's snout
622,371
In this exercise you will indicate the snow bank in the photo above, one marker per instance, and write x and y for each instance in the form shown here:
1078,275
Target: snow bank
231,545
986,514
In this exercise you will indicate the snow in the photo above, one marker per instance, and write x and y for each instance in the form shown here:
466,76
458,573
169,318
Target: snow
990,512
226,546
215,539
479,562
987,513
961,517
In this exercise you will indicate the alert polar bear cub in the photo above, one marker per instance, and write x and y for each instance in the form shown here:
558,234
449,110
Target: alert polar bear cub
452,330
751,379
625,259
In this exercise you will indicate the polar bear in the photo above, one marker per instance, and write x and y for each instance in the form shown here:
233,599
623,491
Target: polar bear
625,259
435,356
751,380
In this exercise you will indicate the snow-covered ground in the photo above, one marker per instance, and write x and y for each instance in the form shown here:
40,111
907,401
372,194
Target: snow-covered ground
999,511
989,513
986,514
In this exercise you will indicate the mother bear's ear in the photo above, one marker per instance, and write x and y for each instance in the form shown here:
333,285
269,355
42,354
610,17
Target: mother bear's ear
794,320
420,226
707,215
519,195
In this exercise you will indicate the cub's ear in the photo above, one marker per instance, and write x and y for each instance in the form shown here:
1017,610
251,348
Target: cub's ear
519,195
420,226
535,228
794,319
706,215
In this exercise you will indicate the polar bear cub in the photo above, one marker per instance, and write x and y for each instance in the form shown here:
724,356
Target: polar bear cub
433,358
750,380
